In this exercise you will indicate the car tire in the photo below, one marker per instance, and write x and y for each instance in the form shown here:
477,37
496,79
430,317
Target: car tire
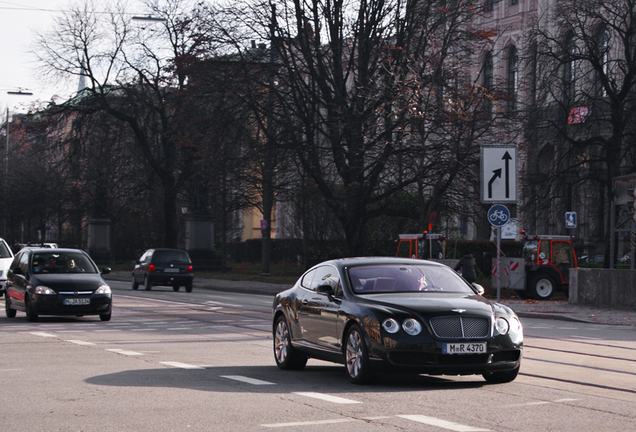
30,313
501,377
287,357
105,317
7,308
175,288
135,285
147,284
188,286
357,364
542,287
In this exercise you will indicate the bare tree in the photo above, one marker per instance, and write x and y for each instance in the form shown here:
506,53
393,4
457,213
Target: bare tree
585,117
138,76
370,95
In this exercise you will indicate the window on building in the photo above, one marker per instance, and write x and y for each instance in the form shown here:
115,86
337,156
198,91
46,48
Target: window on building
488,5
569,75
513,78
514,2
487,83
602,46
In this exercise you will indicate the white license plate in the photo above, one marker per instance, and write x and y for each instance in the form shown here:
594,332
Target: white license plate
77,301
464,348
171,270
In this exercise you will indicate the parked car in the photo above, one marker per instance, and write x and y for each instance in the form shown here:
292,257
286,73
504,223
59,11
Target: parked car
44,281
383,315
165,267
6,257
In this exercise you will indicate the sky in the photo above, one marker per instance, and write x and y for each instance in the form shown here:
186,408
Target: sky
19,19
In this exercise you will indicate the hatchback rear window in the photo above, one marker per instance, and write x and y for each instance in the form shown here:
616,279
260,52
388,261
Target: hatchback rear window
170,257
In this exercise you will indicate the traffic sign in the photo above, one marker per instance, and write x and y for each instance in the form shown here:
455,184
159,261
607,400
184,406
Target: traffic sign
570,219
499,172
498,215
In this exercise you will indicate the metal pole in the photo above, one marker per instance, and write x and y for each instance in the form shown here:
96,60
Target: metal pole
4,183
498,263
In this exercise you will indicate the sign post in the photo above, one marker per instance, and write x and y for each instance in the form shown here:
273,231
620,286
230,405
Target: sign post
498,216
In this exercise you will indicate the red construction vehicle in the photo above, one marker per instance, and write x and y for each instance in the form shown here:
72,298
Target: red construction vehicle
543,269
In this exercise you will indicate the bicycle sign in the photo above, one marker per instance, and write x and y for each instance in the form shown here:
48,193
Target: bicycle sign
498,215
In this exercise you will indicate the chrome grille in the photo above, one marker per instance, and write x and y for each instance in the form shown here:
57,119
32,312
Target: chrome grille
460,327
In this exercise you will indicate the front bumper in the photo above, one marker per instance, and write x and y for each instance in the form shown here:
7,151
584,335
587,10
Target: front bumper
502,354
54,305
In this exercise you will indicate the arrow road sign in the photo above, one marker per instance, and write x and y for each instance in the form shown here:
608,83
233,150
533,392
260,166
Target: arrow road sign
499,174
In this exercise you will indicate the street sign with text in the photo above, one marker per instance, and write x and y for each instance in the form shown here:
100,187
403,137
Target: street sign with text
499,172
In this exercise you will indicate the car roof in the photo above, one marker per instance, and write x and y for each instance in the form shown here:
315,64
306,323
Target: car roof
38,249
348,262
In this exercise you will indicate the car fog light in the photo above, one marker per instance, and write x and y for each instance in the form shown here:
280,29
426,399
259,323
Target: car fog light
390,325
502,326
412,326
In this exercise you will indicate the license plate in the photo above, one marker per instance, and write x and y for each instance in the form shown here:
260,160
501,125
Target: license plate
464,348
171,270
77,301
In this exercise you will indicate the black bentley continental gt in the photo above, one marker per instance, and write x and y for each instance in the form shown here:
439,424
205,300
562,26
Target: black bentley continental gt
385,315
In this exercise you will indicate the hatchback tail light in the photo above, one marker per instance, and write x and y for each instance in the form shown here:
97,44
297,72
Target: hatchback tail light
189,269
151,267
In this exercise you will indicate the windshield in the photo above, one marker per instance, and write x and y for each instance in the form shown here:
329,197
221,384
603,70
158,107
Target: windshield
372,279
65,262
4,250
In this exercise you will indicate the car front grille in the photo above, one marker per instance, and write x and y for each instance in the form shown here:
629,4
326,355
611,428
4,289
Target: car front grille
460,327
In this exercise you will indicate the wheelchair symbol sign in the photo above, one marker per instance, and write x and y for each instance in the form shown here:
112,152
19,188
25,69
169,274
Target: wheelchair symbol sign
570,219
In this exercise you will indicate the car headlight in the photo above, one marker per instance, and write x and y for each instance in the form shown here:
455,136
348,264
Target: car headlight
412,326
43,290
502,325
104,289
515,325
390,325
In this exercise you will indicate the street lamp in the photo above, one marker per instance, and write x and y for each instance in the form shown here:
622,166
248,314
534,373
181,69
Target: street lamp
6,162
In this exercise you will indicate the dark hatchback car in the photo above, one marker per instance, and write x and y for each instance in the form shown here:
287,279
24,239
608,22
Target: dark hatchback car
165,267
44,281
386,315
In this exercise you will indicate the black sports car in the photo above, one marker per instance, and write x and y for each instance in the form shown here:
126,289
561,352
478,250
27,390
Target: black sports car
378,315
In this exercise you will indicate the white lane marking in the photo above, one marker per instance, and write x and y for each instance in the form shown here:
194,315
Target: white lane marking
328,398
72,331
566,400
442,423
42,334
586,337
248,380
181,365
308,423
215,303
144,329
124,352
80,342
528,404
179,328
107,331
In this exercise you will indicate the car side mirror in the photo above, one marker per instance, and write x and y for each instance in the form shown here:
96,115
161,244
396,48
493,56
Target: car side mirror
17,271
480,289
105,270
325,289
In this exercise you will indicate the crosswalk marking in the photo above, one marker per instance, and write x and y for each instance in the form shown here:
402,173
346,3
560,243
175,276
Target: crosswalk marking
42,334
80,342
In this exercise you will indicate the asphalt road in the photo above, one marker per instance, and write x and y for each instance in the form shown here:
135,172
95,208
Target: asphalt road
203,361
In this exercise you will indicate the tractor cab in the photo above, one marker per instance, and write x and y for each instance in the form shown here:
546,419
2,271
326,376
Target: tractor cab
548,260
422,246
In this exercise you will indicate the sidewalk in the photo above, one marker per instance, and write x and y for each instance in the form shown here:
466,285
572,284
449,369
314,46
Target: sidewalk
557,310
